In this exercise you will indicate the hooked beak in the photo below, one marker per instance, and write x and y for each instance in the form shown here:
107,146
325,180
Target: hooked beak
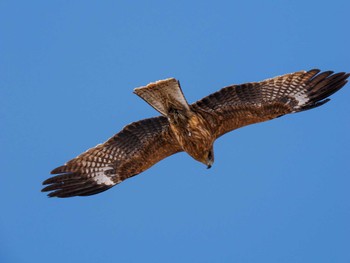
210,163
210,159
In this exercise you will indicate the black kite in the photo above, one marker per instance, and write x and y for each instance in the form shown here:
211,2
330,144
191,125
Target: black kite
190,128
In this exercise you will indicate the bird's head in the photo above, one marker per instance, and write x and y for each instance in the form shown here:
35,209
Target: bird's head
202,151
206,157
210,158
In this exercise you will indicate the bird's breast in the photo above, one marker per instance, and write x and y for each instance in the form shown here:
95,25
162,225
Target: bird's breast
193,134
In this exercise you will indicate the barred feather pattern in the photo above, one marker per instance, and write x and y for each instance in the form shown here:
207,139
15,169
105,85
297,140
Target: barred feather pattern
136,148
240,105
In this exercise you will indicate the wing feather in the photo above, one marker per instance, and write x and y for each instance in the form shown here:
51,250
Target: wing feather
240,105
136,148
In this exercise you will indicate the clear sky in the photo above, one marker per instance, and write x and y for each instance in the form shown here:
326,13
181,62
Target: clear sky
278,191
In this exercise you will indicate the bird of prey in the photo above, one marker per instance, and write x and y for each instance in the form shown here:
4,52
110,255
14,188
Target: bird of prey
192,128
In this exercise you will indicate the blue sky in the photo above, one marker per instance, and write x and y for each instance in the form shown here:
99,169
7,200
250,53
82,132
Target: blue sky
278,191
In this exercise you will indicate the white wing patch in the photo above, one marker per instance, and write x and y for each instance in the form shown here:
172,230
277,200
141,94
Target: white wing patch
101,178
302,98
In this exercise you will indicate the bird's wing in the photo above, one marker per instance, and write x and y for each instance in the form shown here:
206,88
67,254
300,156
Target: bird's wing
136,148
239,105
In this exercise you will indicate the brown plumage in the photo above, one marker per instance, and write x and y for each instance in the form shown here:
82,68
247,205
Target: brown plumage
190,128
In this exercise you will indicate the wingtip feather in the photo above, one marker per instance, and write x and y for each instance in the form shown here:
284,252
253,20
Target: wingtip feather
321,86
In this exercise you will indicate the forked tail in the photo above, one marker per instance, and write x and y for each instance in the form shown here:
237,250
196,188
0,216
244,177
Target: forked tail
164,95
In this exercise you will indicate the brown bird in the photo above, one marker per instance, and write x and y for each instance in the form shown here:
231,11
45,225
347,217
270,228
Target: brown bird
190,128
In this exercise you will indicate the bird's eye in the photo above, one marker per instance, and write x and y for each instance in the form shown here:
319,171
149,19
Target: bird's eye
210,155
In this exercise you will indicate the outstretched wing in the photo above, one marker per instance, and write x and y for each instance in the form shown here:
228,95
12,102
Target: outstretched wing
136,148
240,105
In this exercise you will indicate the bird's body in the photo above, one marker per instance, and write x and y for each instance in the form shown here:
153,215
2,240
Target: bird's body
189,125
190,128
194,134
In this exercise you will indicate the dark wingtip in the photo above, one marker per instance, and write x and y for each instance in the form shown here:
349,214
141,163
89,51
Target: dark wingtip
58,170
83,190
321,85
70,184
314,71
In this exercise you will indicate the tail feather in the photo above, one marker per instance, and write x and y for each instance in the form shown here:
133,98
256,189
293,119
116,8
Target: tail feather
164,96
